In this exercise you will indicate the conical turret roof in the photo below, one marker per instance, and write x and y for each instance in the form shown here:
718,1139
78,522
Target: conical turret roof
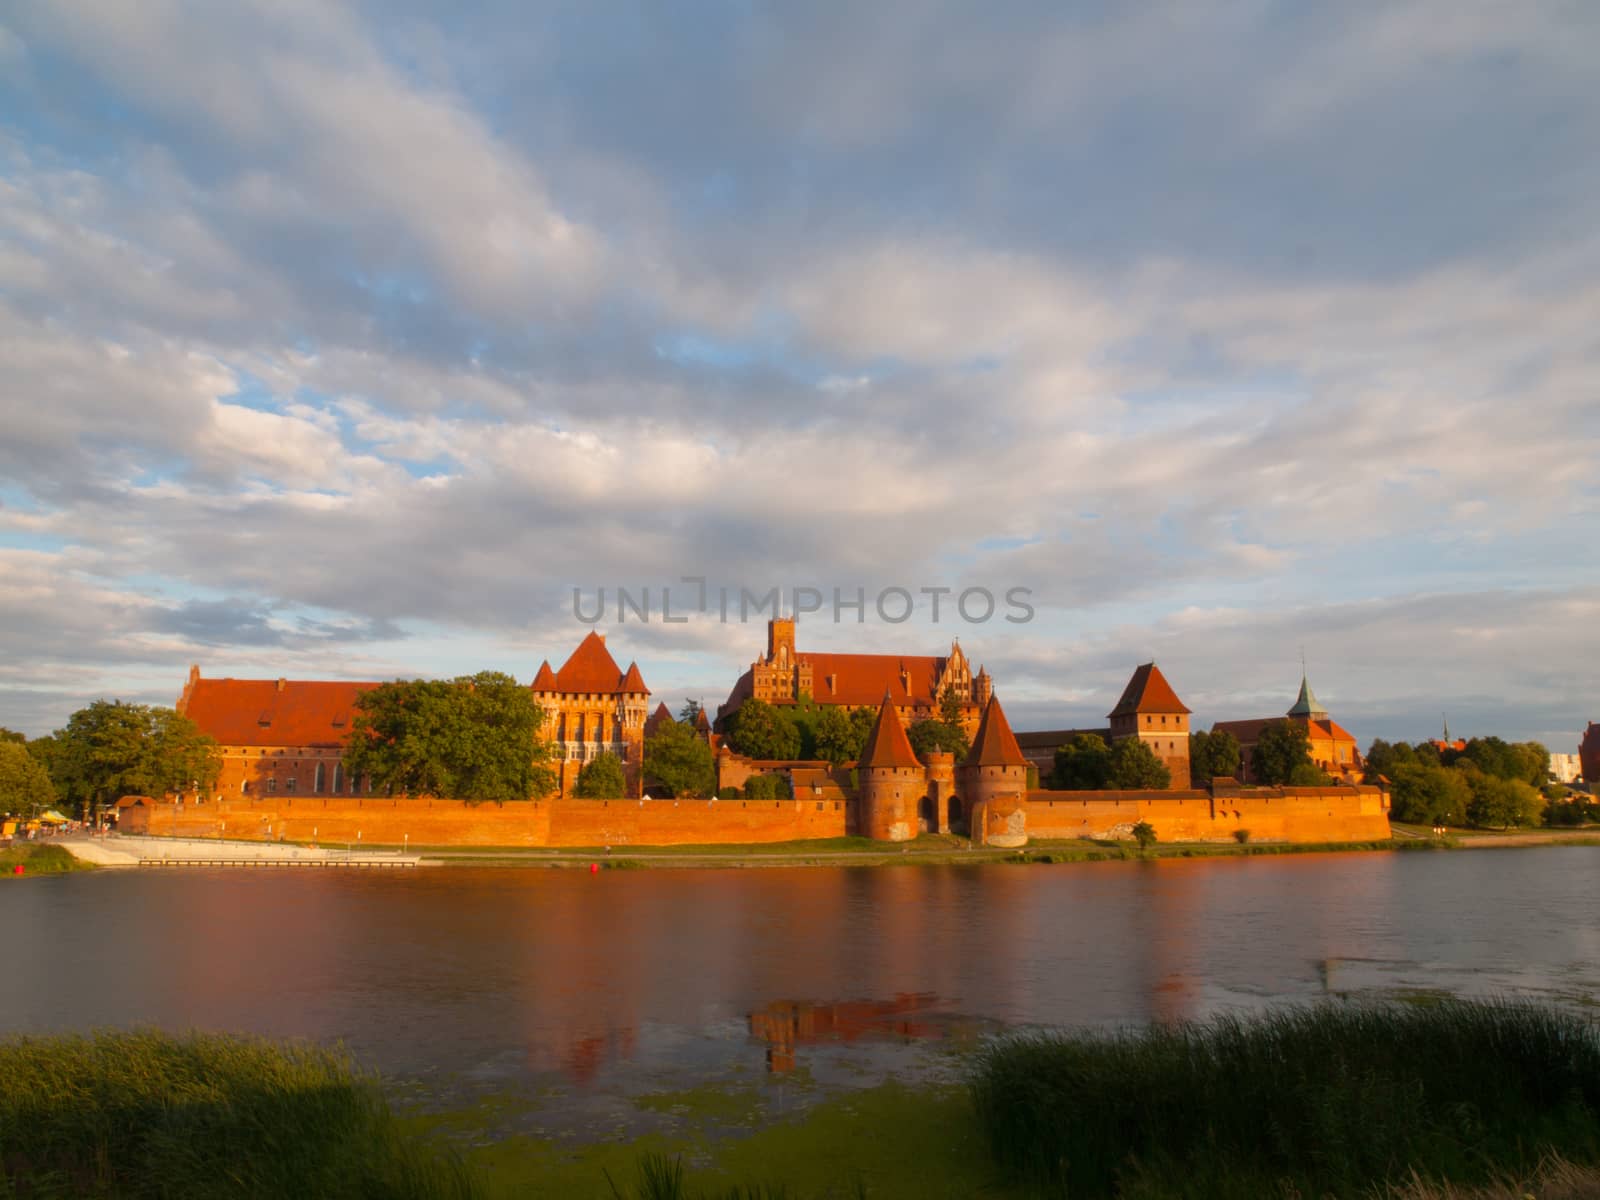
887,744
633,682
1148,692
1306,705
545,680
995,745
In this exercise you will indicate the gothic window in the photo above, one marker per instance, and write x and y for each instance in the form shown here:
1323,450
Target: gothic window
289,783
338,778
320,780
272,783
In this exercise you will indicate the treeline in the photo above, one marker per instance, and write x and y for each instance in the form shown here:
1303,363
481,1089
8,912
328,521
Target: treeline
1491,783
806,730
107,750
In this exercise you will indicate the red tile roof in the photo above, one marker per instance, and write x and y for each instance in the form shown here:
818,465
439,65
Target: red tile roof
1330,728
633,682
1148,692
860,679
545,680
591,670
995,745
887,744
661,716
272,712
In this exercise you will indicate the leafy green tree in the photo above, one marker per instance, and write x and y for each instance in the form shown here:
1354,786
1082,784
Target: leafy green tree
25,787
112,749
1384,758
601,778
767,787
1420,794
1501,803
1135,767
928,735
11,735
760,730
1145,834
1083,764
1280,748
1213,755
951,710
473,738
690,712
1428,754
840,733
678,758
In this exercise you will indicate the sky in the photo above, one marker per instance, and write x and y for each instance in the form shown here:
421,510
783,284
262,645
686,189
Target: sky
347,341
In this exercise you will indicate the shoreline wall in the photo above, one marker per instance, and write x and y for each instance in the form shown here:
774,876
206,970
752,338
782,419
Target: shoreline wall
1324,814
534,823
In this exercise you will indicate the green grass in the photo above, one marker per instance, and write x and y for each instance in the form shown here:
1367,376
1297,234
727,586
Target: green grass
39,859
1331,1100
133,1115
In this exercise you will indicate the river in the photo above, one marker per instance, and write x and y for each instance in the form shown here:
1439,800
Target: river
594,989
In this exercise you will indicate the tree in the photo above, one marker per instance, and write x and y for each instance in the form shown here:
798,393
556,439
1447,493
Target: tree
601,778
841,733
1420,794
25,787
928,735
767,787
1213,755
1145,834
951,711
11,735
1280,748
112,749
679,759
473,738
1135,767
690,712
1083,764
1384,758
1501,802
1309,775
760,730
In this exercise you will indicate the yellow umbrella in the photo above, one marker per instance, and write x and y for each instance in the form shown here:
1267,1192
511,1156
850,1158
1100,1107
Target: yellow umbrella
53,817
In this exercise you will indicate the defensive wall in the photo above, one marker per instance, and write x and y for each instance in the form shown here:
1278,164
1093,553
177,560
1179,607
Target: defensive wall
553,822
1327,814
1287,814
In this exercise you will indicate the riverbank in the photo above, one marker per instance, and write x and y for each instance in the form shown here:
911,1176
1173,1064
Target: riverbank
1371,1101
39,858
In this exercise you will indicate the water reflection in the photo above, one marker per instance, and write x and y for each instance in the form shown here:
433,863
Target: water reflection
629,981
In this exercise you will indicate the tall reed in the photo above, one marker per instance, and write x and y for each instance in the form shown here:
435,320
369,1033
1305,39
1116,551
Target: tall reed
1333,1099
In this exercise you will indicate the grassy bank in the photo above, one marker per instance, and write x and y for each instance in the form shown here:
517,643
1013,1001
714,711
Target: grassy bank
1342,1101
148,1115
39,858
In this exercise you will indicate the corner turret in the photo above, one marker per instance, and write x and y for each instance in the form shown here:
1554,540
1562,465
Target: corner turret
890,781
995,782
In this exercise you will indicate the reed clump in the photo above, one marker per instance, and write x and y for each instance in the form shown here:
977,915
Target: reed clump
1333,1100
147,1114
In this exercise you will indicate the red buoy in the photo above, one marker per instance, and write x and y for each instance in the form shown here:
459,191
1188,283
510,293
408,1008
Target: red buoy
17,870
594,868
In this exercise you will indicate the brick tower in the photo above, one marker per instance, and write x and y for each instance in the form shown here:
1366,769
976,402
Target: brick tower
995,782
890,782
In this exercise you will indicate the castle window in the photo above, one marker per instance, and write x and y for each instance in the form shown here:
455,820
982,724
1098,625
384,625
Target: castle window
289,783
321,780
338,778
272,783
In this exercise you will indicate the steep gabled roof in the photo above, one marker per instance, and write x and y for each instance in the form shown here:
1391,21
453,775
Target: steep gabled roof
591,669
1148,692
661,716
887,744
1306,705
273,712
995,745
633,682
545,680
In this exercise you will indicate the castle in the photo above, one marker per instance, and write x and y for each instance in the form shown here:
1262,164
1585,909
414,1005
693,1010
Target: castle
915,683
1332,748
283,776
286,737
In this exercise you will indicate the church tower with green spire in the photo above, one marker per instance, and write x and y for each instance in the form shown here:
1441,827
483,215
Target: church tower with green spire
1305,705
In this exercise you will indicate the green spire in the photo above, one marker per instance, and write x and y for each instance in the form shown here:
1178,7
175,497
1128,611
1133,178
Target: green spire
1306,704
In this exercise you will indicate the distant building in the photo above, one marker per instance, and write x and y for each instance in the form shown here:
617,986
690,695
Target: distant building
1589,753
914,683
1565,768
1332,747
1148,709
1441,744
